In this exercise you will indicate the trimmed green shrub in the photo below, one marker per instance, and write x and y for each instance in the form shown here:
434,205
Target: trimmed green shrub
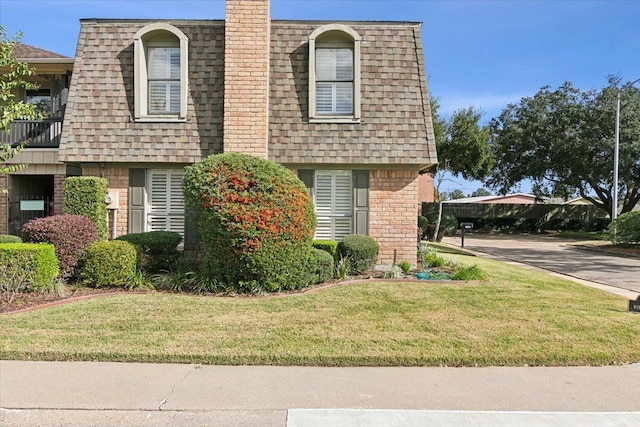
470,273
450,224
627,228
111,263
256,219
26,267
8,238
422,222
70,234
84,195
330,246
323,264
158,250
360,250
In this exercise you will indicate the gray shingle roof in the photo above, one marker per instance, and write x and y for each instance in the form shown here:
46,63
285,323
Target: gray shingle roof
396,126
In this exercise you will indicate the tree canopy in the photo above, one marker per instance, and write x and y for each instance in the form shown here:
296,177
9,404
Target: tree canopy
12,77
563,141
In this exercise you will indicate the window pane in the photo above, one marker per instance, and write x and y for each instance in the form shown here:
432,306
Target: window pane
344,64
325,64
344,98
164,63
324,98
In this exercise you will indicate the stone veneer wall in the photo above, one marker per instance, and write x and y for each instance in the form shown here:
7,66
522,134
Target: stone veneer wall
118,180
246,77
393,201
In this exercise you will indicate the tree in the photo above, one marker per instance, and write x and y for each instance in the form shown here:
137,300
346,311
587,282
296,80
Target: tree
480,192
462,146
12,77
563,141
456,194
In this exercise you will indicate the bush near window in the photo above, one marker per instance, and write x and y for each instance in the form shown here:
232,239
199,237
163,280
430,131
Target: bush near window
255,218
627,228
112,263
330,246
157,250
26,267
361,252
8,238
84,195
323,265
70,234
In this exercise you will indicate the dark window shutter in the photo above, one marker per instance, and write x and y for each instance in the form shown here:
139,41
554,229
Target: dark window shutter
136,200
306,176
361,202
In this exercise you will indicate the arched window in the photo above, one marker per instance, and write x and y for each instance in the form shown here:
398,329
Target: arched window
160,55
334,74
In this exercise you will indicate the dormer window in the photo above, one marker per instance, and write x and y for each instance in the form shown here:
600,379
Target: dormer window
334,74
160,73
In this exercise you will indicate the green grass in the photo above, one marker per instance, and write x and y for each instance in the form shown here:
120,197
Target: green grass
518,317
581,235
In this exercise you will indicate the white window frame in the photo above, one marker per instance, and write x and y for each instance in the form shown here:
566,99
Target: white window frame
347,38
169,213
148,37
333,216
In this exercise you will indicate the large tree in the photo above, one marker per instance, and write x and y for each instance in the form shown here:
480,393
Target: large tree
462,146
563,141
12,79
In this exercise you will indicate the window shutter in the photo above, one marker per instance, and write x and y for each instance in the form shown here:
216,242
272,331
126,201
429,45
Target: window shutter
361,202
136,200
166,201
333,204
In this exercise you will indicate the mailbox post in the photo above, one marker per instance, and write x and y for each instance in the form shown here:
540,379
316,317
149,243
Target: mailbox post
465,226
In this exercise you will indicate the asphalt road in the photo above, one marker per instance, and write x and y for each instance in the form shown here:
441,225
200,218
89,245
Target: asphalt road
558,255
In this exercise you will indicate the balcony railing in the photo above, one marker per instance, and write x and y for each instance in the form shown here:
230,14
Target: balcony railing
36,133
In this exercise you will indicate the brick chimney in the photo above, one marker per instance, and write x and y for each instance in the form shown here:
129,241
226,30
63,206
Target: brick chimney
246,77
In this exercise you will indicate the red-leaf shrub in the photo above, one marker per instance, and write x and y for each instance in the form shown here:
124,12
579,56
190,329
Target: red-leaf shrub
256,219
71,235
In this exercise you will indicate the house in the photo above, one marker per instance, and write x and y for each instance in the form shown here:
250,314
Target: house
516,199
342,104
37,190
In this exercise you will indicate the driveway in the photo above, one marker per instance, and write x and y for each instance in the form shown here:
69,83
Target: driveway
558,255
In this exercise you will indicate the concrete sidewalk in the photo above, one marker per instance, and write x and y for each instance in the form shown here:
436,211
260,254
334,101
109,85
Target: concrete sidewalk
110,394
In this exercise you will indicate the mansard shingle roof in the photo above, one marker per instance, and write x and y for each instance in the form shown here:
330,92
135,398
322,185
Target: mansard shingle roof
25,52
396,118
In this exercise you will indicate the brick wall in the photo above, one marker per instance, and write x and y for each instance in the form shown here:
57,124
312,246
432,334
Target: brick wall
58,194
4,204
119,181
393,201
246,77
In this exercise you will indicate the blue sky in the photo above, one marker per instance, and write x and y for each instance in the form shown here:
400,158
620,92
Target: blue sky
481,53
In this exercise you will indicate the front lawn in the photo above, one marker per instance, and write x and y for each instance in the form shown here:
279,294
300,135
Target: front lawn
519,317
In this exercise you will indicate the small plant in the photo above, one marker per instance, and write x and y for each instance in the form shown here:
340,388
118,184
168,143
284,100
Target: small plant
470,273
71,235
330,246
405,266
342,268
395,272
361,250
322,266
432,259
158,250
111,263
